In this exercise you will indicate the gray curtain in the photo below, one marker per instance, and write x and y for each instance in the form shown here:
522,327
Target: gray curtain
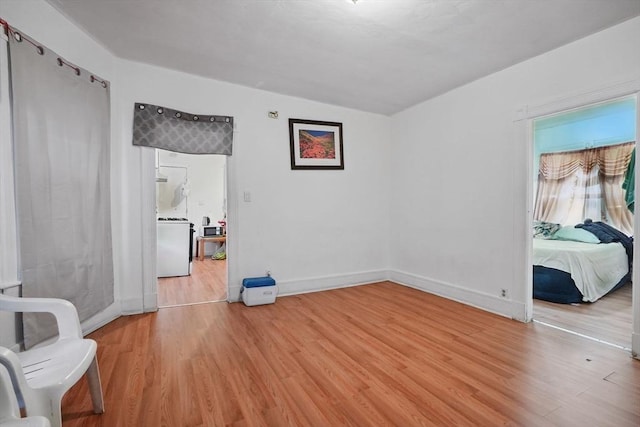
173,130
61,119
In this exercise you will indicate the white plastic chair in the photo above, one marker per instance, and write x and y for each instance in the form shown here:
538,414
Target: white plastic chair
42,375
9,409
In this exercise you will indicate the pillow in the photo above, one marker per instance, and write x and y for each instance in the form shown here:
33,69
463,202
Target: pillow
544,230
576,235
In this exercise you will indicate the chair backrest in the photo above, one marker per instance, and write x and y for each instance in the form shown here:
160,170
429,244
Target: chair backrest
8,403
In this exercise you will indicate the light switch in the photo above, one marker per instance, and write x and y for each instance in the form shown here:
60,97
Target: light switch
247,196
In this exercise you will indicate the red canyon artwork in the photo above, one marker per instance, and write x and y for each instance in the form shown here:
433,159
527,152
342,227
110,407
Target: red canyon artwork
315,144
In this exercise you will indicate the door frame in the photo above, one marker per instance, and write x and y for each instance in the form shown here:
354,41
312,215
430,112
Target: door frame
148,229
524,123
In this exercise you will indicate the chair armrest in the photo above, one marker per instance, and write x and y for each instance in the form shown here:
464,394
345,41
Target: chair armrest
10,361
65,313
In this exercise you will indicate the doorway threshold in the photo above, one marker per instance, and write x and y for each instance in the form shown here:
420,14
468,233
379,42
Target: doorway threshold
621,347
191,303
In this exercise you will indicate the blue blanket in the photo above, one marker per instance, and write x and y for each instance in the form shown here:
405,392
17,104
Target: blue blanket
608,234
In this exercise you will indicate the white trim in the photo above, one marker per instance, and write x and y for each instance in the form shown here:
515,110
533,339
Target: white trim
8,224
188,304
501,306
569,331
131,306
635,290
581,99
524,116
150,302
233,219
148,233
94,323
318,284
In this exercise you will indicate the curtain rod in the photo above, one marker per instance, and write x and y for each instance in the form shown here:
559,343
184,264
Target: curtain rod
19,37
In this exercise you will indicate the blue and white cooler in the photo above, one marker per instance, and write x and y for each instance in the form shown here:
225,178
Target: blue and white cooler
259,290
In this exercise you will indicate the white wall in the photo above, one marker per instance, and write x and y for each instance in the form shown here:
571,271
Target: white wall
459,182
311,229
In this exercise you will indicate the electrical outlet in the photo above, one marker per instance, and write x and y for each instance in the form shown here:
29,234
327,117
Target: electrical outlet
504,293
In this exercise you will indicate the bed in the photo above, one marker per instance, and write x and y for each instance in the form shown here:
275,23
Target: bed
581,263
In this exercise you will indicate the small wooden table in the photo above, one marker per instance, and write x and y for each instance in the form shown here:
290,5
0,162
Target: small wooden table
202,240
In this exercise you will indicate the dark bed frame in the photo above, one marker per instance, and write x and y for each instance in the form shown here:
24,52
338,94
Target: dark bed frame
550,284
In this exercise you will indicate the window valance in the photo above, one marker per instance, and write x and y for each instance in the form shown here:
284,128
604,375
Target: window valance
611,160
173,130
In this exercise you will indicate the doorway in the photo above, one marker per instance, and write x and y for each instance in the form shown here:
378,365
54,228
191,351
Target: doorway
581,158
192,189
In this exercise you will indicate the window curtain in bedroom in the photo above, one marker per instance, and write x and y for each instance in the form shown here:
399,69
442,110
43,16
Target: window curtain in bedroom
161,127
61,119
576,185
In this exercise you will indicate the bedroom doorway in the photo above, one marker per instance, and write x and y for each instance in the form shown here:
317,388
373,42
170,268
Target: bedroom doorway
583,221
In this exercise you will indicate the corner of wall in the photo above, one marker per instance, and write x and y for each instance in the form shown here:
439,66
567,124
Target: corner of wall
503,307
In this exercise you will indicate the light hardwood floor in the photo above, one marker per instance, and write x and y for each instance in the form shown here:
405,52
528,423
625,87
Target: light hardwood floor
372,355
608,319
207,282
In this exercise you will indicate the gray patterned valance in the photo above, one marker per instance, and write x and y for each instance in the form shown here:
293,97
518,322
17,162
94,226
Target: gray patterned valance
160,127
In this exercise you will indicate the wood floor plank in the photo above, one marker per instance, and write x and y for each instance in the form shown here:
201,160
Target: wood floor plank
608,319
207,282
372,355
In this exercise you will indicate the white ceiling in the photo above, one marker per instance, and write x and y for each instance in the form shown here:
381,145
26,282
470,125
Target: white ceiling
381,56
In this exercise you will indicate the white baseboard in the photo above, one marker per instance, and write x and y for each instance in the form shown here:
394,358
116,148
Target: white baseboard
635,345
150,302
317,284
493,304
234,294
500,306
110,314
131,306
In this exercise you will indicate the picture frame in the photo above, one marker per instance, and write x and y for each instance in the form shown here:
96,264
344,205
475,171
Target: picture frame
316,144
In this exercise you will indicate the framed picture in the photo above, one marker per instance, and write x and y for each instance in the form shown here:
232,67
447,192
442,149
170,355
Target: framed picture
315,144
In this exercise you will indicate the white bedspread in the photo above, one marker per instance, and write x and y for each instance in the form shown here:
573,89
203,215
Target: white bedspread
595,268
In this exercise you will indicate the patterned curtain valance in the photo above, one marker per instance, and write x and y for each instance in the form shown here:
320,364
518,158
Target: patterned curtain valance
160,127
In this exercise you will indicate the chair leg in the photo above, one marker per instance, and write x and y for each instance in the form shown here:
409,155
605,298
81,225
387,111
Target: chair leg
56,412
95,386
